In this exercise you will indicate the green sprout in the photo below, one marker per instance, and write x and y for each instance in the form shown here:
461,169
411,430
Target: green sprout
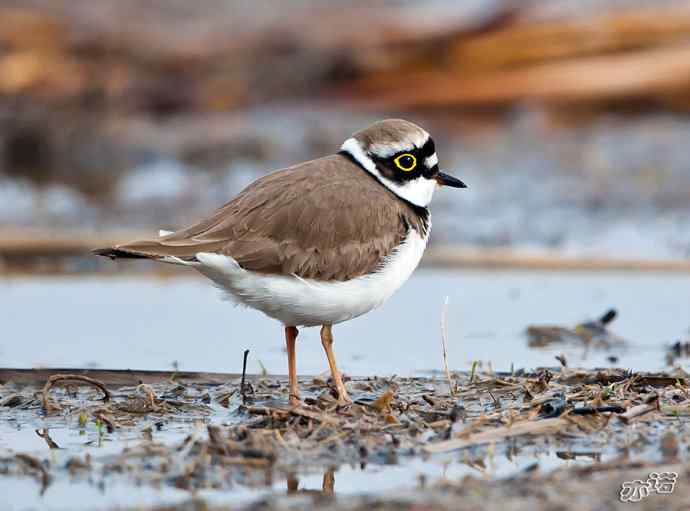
474,369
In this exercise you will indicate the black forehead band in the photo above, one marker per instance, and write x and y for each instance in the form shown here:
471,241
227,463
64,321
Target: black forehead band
428,148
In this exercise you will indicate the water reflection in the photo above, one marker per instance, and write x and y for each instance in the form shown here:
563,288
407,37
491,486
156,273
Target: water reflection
327,485
253,483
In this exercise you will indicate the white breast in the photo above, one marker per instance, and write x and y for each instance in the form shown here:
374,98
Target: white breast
306,302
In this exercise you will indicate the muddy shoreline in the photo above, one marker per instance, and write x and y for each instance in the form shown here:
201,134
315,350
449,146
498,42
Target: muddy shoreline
211,439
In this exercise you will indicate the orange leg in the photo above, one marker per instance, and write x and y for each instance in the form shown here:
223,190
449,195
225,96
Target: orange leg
328,485
290,340
327,341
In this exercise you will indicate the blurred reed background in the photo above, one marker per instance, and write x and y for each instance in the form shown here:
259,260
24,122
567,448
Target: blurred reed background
568,119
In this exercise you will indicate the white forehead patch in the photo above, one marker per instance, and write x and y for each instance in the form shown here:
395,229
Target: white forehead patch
417,191
431,161
414,140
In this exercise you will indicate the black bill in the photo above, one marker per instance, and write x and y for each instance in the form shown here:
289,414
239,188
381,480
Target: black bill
447,180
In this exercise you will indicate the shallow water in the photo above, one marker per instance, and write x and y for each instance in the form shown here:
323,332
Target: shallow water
141,323
99,488
113,492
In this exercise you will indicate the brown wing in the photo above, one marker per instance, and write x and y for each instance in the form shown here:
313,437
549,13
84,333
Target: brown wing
325,219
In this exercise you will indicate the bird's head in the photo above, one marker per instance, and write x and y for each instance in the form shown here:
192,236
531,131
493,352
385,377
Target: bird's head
402,156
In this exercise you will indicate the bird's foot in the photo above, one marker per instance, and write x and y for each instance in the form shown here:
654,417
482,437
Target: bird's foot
343,397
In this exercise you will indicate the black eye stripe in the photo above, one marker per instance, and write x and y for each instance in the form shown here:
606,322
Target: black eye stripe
419,153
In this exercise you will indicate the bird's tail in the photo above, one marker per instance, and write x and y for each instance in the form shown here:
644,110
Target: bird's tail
164,249
117,253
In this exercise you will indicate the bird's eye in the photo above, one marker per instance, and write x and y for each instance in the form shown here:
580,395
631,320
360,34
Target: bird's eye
406,162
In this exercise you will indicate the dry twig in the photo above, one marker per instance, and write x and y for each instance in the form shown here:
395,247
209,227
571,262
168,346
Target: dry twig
59,378
444,344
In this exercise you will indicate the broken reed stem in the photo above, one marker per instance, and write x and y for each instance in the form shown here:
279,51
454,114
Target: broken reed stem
444,344
538,427
150,394
638,411
59,378
244,374
45,435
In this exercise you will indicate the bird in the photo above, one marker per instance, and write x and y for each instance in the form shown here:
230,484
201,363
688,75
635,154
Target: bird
320,242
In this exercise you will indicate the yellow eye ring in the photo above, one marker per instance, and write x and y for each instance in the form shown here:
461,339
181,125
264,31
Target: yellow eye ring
406,162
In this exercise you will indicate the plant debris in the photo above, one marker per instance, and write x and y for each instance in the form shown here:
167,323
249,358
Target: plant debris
221,441
593,333
48,406
679,349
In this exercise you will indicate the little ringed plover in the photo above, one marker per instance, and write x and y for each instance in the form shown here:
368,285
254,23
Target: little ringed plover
321,242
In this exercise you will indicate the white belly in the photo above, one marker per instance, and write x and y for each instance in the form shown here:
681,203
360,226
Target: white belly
295,301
